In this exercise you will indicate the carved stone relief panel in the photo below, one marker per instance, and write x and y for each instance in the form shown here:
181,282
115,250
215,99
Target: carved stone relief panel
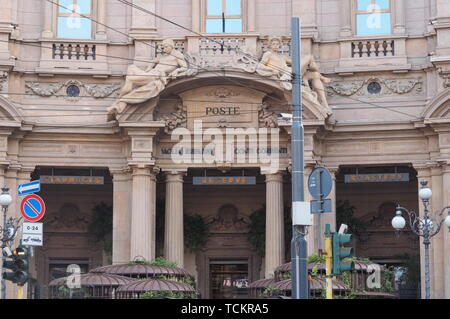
72,90
376,87
228,220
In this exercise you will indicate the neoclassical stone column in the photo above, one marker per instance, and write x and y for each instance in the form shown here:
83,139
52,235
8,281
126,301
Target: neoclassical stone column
346,18
122,207
274,223
143,213
399,11
173,235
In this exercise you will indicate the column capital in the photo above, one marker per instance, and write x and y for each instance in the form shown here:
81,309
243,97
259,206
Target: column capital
174,176
274,177
145,171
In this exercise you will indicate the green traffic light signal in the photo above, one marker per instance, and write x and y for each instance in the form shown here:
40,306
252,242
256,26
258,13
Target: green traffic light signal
340,252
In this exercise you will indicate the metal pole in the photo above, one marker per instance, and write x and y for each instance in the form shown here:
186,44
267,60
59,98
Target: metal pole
299,244
3,246
329,260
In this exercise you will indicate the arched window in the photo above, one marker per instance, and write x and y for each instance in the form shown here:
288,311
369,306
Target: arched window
70,24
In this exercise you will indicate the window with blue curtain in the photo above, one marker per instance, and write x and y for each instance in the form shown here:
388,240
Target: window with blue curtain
70,23
373,17
223,16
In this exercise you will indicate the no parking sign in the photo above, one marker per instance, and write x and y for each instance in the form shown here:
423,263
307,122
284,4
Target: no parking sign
32,208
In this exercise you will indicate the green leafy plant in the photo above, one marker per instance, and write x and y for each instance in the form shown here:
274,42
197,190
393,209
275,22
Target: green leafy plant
410,267
102,219
271,292
196,232
161,294
159,261
101,226
345,214
257,234
316,258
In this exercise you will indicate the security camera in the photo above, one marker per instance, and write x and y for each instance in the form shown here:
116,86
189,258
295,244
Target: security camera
286,116
7,252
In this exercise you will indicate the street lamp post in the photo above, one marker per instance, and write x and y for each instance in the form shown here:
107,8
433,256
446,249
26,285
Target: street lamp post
425,227
8,229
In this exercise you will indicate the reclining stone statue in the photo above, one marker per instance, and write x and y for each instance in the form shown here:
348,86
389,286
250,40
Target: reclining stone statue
142,85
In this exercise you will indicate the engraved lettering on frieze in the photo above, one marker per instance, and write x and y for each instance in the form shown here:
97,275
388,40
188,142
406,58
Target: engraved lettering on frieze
388,87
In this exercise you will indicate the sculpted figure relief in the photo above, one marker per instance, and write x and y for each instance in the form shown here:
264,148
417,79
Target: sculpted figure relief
142,85
279,66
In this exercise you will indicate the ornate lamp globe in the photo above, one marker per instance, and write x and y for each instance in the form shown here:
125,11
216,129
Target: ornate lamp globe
447,221
398,222
425,192
5,198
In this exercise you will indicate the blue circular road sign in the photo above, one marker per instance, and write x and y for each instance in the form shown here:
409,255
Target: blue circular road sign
320,182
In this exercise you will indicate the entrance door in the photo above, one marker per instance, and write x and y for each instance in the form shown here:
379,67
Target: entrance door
229,279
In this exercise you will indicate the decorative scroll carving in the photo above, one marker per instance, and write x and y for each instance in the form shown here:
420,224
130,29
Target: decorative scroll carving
389,87
93,89
175,119
3,78
223,93
228,220
267,118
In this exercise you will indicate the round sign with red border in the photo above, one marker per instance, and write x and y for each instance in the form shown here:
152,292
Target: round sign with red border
32,208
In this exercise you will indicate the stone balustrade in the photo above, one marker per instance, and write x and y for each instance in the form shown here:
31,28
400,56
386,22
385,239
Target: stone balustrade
373,48
74,51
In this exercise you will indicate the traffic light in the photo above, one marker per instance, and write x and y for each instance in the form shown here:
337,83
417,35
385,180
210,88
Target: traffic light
340,252
18,265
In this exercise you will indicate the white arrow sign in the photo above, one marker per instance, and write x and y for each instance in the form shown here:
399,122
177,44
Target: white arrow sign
28,188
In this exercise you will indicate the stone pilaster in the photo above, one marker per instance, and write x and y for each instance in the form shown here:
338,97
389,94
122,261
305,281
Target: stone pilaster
122,207
274,223
48,20
446,234
173,237
346,18
143,209
100,33
399,12
437,243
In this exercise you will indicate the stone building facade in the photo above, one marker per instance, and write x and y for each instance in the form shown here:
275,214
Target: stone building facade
389,98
